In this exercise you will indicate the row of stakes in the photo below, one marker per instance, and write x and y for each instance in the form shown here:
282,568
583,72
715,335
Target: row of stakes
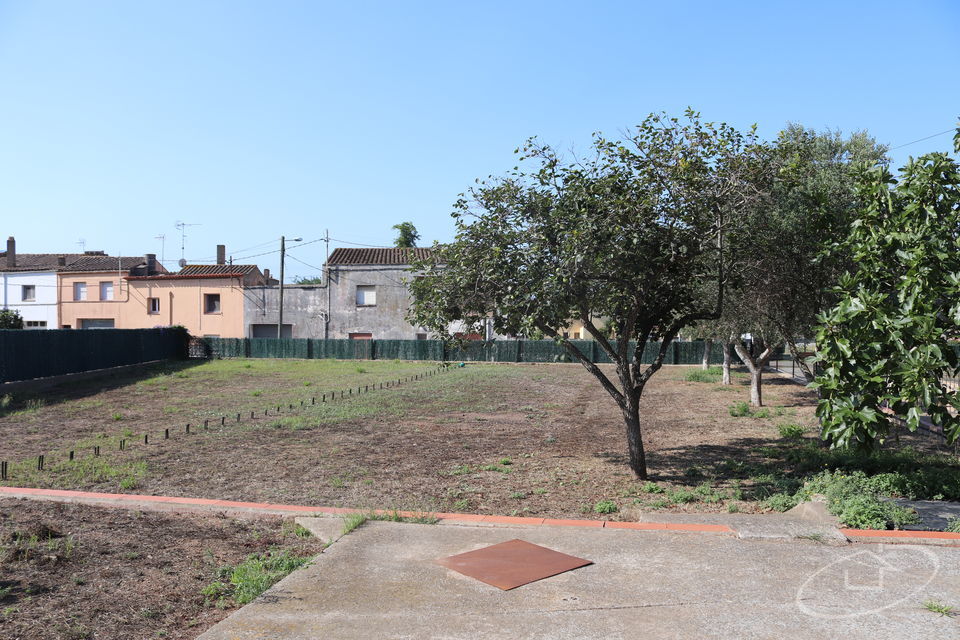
41,459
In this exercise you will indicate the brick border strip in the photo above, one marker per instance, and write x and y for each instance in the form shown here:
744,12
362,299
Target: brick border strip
134,500
905,536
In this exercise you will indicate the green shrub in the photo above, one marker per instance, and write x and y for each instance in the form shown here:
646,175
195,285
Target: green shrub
605,506
682,496
782,501
740,410
791,431
651,487
953,525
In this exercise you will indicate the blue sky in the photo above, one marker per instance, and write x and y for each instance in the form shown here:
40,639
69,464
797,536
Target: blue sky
253,120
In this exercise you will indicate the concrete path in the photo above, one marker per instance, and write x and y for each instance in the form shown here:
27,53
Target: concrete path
381,581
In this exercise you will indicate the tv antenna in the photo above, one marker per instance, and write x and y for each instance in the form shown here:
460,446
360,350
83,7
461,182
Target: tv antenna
163,243
182,226
82,244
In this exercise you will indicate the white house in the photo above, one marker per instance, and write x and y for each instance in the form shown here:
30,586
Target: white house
29,287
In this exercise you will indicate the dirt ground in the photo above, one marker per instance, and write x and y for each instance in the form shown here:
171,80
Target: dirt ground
94,572
523,439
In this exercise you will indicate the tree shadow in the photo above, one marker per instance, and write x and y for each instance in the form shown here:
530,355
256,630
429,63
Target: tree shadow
27,394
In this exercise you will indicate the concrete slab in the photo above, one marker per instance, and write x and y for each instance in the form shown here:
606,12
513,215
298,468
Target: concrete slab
381,581
329,528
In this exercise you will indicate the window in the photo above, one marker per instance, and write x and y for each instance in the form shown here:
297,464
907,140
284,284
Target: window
35,324
421,336
366,295
95,323
211,303
106,291
153,305
361,336
79,290
28,292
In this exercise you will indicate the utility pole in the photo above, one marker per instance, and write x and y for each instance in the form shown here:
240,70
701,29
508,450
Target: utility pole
283,251
326,324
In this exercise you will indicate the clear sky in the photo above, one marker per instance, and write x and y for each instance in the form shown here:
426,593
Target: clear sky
254,120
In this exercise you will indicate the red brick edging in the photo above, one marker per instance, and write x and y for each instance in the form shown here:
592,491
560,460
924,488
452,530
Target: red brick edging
444,517
880,533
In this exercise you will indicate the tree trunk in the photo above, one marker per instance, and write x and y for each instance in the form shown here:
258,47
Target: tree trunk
707,345
756,387
755,365
631,418
727,348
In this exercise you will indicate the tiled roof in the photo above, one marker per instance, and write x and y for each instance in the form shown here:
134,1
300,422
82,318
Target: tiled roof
74,262
378,256
217,269
206,271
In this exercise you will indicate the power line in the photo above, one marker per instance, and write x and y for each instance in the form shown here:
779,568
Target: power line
907,144
357,244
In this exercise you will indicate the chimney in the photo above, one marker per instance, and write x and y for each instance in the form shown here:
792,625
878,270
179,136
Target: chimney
61,261
11,252
151,264
266,275
221,254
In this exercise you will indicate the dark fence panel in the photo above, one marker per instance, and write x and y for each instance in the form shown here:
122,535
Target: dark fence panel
25,355
436,350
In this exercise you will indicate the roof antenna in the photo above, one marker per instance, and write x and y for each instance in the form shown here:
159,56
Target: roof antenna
82,244
183,237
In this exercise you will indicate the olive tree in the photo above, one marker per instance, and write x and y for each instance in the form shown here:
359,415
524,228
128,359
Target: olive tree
633,234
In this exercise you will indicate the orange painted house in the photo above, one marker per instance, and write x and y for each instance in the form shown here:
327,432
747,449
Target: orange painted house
206,299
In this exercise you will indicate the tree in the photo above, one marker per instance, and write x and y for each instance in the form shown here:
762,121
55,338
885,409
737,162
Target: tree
885,346
632,234
312,280
780,271
407,235
10,319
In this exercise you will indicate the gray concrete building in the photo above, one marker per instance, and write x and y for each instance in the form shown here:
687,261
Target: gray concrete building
364,297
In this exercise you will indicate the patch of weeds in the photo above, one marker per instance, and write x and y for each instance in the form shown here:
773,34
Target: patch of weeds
307,383
394,516
256,393
550,439
781,502
740,409
244,582
708,494
291,528
518,495
711,375
353,520
953,525
661,503
462,504
790,431
495,467
540,491
733,507
693,472
605,506
117,416
813,537
761,413
506,461
938,607
651,487
361,370
461,470
683,496
339,482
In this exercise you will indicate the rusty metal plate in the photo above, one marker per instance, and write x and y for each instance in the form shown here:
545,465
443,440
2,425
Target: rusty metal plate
512,564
